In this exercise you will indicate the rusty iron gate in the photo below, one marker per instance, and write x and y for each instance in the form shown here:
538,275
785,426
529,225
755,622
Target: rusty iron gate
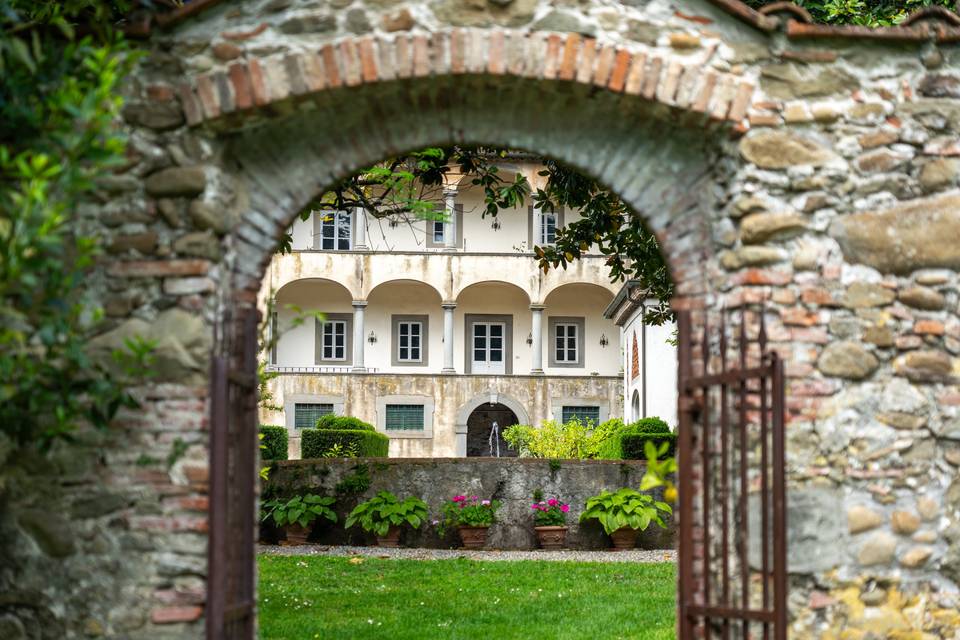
233,453
732,512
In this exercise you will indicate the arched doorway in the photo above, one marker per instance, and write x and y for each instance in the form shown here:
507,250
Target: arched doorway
485,431
635,406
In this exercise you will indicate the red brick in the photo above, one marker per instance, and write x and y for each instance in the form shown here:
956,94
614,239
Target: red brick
421,56
158,268
588,56
761,276
172,615
258,85
618,76
551,61
190,503
740,102
457,52
405,57
764,120
368,60
192,108
330,64
169,523
604,65
208,96
635,77
313,72
160,92
816,336
800,317
180,596
568,64
197,474
351,62
245,35
496,61
702,101
652,78
243,94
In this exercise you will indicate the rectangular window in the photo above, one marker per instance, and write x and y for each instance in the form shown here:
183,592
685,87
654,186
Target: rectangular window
336,230
585,414
404,417
548,229
409,341
334,335
566,342
439,231
305,414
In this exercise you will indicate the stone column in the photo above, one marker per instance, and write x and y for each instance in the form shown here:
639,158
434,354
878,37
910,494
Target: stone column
358,335
448,308
536,333
360,226
450,233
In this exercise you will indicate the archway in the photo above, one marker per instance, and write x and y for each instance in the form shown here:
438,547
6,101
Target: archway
485,431
487,407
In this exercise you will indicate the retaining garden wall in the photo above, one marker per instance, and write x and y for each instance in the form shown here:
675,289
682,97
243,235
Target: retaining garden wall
512,481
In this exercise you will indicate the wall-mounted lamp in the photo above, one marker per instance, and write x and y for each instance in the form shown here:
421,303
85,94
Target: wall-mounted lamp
603,340
529,339
372,338
496,224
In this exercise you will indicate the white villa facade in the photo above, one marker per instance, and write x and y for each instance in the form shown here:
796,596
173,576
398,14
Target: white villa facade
433,332
649,358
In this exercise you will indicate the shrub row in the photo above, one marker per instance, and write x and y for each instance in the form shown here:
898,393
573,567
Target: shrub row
314,443
273,443
629,441
349,423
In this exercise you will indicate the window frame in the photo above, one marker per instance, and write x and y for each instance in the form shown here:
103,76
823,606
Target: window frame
404,407
347,320
395,322
428,403
469,319
581,324
320,223
565,407
313,404
291,400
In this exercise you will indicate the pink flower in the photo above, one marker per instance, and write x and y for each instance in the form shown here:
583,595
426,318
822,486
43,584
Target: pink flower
485,503
474,498
565,508
534,507
459,498
552,502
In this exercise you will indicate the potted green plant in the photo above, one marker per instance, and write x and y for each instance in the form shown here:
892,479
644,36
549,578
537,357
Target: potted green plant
297,514
550,520
624,514
471,516
384,514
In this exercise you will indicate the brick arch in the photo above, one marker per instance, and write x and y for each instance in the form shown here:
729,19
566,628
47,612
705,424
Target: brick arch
657,161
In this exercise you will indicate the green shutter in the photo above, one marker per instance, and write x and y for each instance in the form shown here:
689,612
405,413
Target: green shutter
404,417
305,415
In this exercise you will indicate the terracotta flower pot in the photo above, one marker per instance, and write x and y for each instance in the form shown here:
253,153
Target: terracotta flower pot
473,537
552,538
296,535
624,538
391,539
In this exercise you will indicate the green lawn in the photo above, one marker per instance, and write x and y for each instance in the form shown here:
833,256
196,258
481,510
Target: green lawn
322,597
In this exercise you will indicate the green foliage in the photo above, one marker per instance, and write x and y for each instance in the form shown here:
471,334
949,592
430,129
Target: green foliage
332,421
338,450
660,468
467,511
59,106
625,508
627,442
869,13
274,442
355,483
384,510
562,441
369,444
302,510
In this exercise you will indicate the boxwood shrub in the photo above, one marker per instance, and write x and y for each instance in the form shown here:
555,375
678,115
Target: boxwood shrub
331,421
628,443
274,442
369,444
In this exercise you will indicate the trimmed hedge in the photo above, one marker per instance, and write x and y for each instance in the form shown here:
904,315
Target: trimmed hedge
628,443
274,442
370,444
349,423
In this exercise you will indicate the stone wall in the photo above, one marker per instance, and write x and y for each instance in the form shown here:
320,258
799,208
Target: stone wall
434,481
819,176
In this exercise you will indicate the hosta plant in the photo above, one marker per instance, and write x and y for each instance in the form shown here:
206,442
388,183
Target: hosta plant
385,510
625,508
299,510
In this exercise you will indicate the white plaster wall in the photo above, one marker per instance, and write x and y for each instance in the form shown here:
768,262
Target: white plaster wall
587,301
296,346
658,374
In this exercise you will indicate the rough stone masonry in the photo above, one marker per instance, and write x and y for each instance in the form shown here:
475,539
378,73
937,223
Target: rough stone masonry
811,168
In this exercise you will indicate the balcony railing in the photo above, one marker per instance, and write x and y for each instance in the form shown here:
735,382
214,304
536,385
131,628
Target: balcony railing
273,368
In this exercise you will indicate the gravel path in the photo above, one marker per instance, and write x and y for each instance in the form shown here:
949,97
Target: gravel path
570,555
